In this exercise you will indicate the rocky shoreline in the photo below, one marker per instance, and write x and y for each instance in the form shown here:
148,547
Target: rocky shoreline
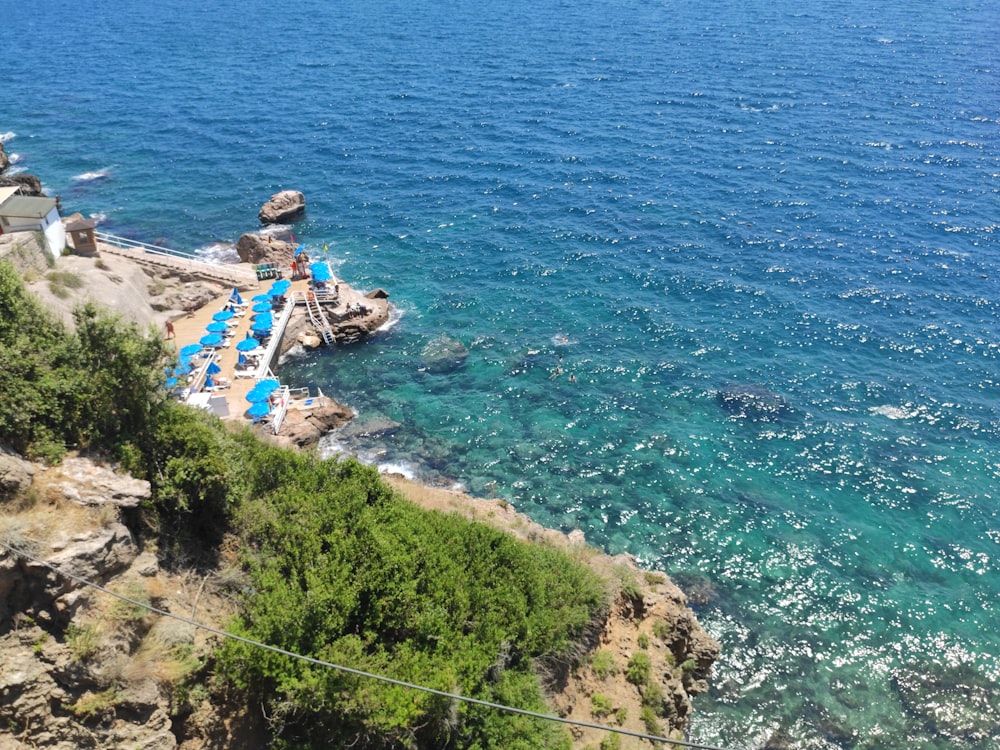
123,692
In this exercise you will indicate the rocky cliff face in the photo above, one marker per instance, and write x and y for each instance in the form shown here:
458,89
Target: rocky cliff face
80,668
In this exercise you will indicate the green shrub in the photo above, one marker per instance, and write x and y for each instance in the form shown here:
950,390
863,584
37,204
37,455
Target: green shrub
643,641
61,282
93,387
662,630
612,741
600,705
93,704
650,721
82,641
603,664
639,669
344,570
652,696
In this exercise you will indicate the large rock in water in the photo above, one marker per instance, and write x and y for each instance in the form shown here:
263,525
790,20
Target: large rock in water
4,159
443,354
283,206
253,248
753,402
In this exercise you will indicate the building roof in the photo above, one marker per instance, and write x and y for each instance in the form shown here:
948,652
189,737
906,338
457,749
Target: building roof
23,207
7,192
80,224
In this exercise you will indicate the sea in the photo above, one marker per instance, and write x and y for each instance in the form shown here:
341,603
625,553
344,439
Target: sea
717,281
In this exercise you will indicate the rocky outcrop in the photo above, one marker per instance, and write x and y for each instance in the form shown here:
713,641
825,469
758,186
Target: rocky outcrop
79,668
254,248
4,159
15,475
284,206
30,185
86,483
303,428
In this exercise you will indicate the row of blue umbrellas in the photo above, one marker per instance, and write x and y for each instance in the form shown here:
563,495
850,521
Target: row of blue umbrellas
263,390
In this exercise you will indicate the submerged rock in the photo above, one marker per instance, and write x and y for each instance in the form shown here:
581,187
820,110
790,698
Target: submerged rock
955,702
444,354
754,402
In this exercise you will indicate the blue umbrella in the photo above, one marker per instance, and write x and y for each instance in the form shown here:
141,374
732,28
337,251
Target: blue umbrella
247,344
259,409
190,350
270,385
209,383
263,327
213,369
261,298
223,315
235,297
171,383
320,271
262,307
241,360
256,395
212,339
299,249
281,286
216,327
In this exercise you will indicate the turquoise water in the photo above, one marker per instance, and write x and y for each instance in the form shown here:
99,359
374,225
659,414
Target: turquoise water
664,201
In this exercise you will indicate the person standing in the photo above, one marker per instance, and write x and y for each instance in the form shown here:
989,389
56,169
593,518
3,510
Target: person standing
170,330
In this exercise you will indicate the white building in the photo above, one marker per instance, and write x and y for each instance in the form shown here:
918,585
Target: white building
21,213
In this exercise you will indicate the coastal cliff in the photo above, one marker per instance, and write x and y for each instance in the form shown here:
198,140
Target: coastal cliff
89,673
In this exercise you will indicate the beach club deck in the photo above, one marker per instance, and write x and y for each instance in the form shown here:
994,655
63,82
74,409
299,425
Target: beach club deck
228,400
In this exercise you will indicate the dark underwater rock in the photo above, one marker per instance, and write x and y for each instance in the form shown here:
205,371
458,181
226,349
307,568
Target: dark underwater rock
753,402
955,702
444,354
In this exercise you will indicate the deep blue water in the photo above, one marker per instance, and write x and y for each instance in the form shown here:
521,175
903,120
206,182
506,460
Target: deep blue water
673,198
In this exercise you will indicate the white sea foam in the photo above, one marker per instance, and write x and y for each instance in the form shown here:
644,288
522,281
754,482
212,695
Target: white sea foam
100,174
8,136
395,315
894,412
219,252
399,467
99,218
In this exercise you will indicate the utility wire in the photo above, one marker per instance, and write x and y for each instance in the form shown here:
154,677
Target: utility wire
351,670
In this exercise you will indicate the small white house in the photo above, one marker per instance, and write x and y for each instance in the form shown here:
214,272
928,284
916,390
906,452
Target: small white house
22,213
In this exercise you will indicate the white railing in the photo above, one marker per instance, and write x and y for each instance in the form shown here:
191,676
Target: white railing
237,275
280,409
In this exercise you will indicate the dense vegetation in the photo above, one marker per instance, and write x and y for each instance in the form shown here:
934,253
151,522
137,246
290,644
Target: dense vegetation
339,567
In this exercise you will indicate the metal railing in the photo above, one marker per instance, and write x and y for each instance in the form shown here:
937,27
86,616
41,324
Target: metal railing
230,273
